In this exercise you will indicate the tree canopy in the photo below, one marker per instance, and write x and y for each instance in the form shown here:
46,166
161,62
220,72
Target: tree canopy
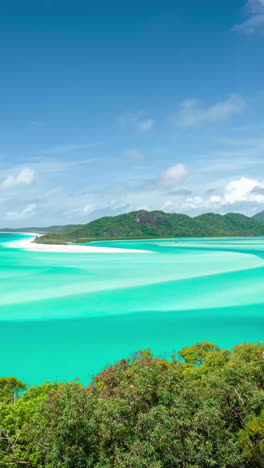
205,409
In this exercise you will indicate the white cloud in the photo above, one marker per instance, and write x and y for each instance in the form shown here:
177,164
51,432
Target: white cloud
24,177
239,190
86,210
193,114
25,213
243,190
255,17
168,190
173,175
236,192
150,196
215,199
146,125
194,203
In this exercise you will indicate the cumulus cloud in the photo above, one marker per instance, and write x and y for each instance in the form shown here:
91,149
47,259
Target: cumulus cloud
171,191
154,194
255,17
240,194
86,210
240,190
25,176
236,192
193,114
174,175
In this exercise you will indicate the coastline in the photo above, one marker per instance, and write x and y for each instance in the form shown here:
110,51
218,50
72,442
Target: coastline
28,244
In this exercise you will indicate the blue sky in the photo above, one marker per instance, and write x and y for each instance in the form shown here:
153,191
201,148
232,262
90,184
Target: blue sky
115,106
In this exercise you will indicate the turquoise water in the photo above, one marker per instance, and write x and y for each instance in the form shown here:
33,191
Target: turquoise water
68,315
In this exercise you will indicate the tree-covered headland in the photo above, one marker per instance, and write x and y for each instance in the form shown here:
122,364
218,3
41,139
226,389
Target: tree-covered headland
204,408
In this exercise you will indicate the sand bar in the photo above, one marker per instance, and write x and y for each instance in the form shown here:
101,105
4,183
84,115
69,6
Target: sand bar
28,244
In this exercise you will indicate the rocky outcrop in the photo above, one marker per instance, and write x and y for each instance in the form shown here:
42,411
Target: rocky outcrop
144,217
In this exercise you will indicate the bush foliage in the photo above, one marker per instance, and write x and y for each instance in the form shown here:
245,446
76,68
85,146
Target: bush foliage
203,410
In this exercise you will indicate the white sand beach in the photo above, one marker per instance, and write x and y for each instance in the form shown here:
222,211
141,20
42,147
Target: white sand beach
28,244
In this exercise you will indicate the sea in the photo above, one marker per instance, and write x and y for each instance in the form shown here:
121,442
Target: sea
70,315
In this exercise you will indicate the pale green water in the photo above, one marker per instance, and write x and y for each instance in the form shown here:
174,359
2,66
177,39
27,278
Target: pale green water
66,315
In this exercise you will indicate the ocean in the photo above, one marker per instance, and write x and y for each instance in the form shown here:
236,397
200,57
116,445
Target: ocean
70,315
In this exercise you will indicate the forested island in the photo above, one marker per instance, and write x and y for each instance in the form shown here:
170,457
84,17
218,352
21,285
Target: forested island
203,408
150,225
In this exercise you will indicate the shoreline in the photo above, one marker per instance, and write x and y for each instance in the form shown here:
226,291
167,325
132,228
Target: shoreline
29,245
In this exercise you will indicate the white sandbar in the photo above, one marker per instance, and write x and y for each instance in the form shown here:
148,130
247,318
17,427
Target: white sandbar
29,244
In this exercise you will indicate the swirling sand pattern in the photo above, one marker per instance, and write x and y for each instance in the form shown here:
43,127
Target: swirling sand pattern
69,315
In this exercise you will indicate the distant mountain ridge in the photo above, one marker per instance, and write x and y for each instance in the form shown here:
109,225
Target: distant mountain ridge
153,224
159,224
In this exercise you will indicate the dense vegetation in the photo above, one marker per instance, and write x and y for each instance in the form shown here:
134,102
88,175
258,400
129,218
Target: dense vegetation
51,239
160,224
203,410
155,224
259,217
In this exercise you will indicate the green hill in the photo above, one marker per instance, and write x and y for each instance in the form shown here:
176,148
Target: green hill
231,224
155,224
259,217
140,224
159,224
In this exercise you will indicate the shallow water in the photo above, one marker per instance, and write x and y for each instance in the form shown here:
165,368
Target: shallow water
67,315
